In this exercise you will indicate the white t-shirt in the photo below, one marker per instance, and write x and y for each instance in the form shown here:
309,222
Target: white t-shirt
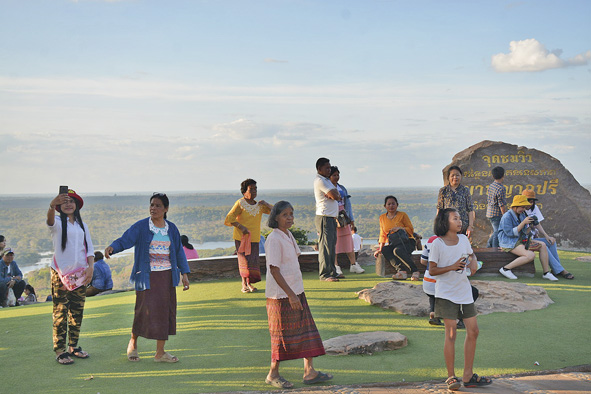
452,286
428,280
75,255
324,205
536,211
282,251
357,240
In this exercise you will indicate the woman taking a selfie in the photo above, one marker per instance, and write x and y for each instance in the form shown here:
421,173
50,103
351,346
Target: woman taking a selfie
71,270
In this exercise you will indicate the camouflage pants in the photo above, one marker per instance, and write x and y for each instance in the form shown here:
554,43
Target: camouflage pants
68,308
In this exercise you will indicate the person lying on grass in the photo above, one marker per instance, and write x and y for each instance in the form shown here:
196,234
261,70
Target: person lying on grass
292,328
449,257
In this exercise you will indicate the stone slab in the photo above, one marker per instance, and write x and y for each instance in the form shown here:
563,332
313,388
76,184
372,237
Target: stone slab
364,343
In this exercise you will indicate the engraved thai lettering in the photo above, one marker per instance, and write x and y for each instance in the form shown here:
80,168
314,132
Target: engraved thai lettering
553,185
487,159
505,158
542,189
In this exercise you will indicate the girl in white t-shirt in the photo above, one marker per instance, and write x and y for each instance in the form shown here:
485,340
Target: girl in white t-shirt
449,257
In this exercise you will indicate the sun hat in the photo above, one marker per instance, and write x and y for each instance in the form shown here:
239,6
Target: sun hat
520,201
530,194
73,194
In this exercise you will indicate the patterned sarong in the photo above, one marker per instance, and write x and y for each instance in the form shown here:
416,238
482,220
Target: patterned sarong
249,265
293,332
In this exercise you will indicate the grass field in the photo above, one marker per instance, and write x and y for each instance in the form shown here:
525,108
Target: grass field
223,341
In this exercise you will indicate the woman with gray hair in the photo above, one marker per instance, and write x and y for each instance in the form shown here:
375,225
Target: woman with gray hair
292,328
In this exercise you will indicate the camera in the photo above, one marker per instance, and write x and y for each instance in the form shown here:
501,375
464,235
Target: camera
535,220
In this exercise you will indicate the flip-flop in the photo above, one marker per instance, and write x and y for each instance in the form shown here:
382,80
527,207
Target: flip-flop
131,354
321,377
568,275
253,289
166,358
79,353
64,356
279,382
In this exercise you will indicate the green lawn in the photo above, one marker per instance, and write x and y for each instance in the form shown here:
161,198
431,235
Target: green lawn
223,341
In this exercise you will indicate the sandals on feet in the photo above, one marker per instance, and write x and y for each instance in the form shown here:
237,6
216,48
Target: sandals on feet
415,276
477,381
79,353
321,377
166,358
64,359
400,275
279,382
453,383
567,275
132,355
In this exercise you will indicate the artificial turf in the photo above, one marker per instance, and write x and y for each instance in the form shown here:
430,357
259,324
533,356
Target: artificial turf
223,342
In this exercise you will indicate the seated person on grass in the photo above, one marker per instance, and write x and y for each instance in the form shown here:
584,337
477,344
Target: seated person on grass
515,237
101,276
11,276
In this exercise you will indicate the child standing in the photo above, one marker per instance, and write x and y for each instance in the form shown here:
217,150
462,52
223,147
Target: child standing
449,257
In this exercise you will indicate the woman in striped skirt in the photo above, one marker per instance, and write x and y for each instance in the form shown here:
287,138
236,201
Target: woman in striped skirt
292,328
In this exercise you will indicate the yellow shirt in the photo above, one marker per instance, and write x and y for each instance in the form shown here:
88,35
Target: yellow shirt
400,220
249,216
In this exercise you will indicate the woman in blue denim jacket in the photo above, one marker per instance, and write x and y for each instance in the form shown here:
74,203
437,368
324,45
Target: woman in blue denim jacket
513,232
159,259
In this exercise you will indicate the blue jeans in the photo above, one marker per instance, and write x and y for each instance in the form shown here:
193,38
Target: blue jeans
553,259
493,241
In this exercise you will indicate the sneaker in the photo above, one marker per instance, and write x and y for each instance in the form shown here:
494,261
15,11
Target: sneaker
549,276
339,270
356,269
509,275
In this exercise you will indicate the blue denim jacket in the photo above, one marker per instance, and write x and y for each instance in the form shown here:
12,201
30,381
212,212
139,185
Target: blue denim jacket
140,236
508,233
347,200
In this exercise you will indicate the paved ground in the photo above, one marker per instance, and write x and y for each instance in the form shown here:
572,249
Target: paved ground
574,380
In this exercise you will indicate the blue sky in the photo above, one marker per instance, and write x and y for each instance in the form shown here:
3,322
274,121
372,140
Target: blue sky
114,96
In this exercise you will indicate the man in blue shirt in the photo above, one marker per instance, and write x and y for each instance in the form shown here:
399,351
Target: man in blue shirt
101,277
11,277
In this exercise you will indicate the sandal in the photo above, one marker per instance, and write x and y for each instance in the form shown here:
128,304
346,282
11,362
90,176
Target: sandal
132,355
477,381
279,382
252,289
400,275
321,377
79,353
166,358
435,321
415,276
453,383
64,359
567,275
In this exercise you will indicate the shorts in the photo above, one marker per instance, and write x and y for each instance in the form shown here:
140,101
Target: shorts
446,309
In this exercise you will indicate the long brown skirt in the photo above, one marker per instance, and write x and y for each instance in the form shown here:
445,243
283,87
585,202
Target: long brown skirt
293,332
155,308
249,265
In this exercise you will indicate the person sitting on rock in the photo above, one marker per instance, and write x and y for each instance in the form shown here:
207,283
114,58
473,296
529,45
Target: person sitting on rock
550,242
514,237
31,297
101,276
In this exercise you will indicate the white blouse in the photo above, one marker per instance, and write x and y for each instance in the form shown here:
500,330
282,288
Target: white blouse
75,255
282,251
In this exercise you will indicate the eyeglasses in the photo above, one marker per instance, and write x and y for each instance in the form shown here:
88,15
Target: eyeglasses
531,199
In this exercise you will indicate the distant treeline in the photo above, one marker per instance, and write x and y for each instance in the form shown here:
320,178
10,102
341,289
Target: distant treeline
200,216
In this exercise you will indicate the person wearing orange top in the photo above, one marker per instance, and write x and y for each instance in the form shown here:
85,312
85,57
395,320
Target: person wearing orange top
399,255
245,217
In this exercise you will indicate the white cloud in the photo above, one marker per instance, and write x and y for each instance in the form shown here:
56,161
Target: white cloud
531,55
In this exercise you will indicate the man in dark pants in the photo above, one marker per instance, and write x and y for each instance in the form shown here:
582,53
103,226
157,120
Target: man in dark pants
11,276
327,209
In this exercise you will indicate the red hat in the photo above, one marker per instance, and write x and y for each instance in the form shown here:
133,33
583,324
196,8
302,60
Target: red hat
72,194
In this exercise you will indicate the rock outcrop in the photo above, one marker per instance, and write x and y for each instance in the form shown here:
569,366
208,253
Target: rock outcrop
566,205
495,296
364,343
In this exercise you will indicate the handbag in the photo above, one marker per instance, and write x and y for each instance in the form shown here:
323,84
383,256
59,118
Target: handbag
10,298
73,279
343,219
398,238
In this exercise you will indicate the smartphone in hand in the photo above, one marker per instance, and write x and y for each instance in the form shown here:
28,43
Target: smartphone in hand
63,190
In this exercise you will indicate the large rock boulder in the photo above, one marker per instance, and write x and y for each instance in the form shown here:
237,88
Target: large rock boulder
364,343
495,296
565,204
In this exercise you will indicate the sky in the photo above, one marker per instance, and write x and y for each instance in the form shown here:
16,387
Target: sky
142,96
